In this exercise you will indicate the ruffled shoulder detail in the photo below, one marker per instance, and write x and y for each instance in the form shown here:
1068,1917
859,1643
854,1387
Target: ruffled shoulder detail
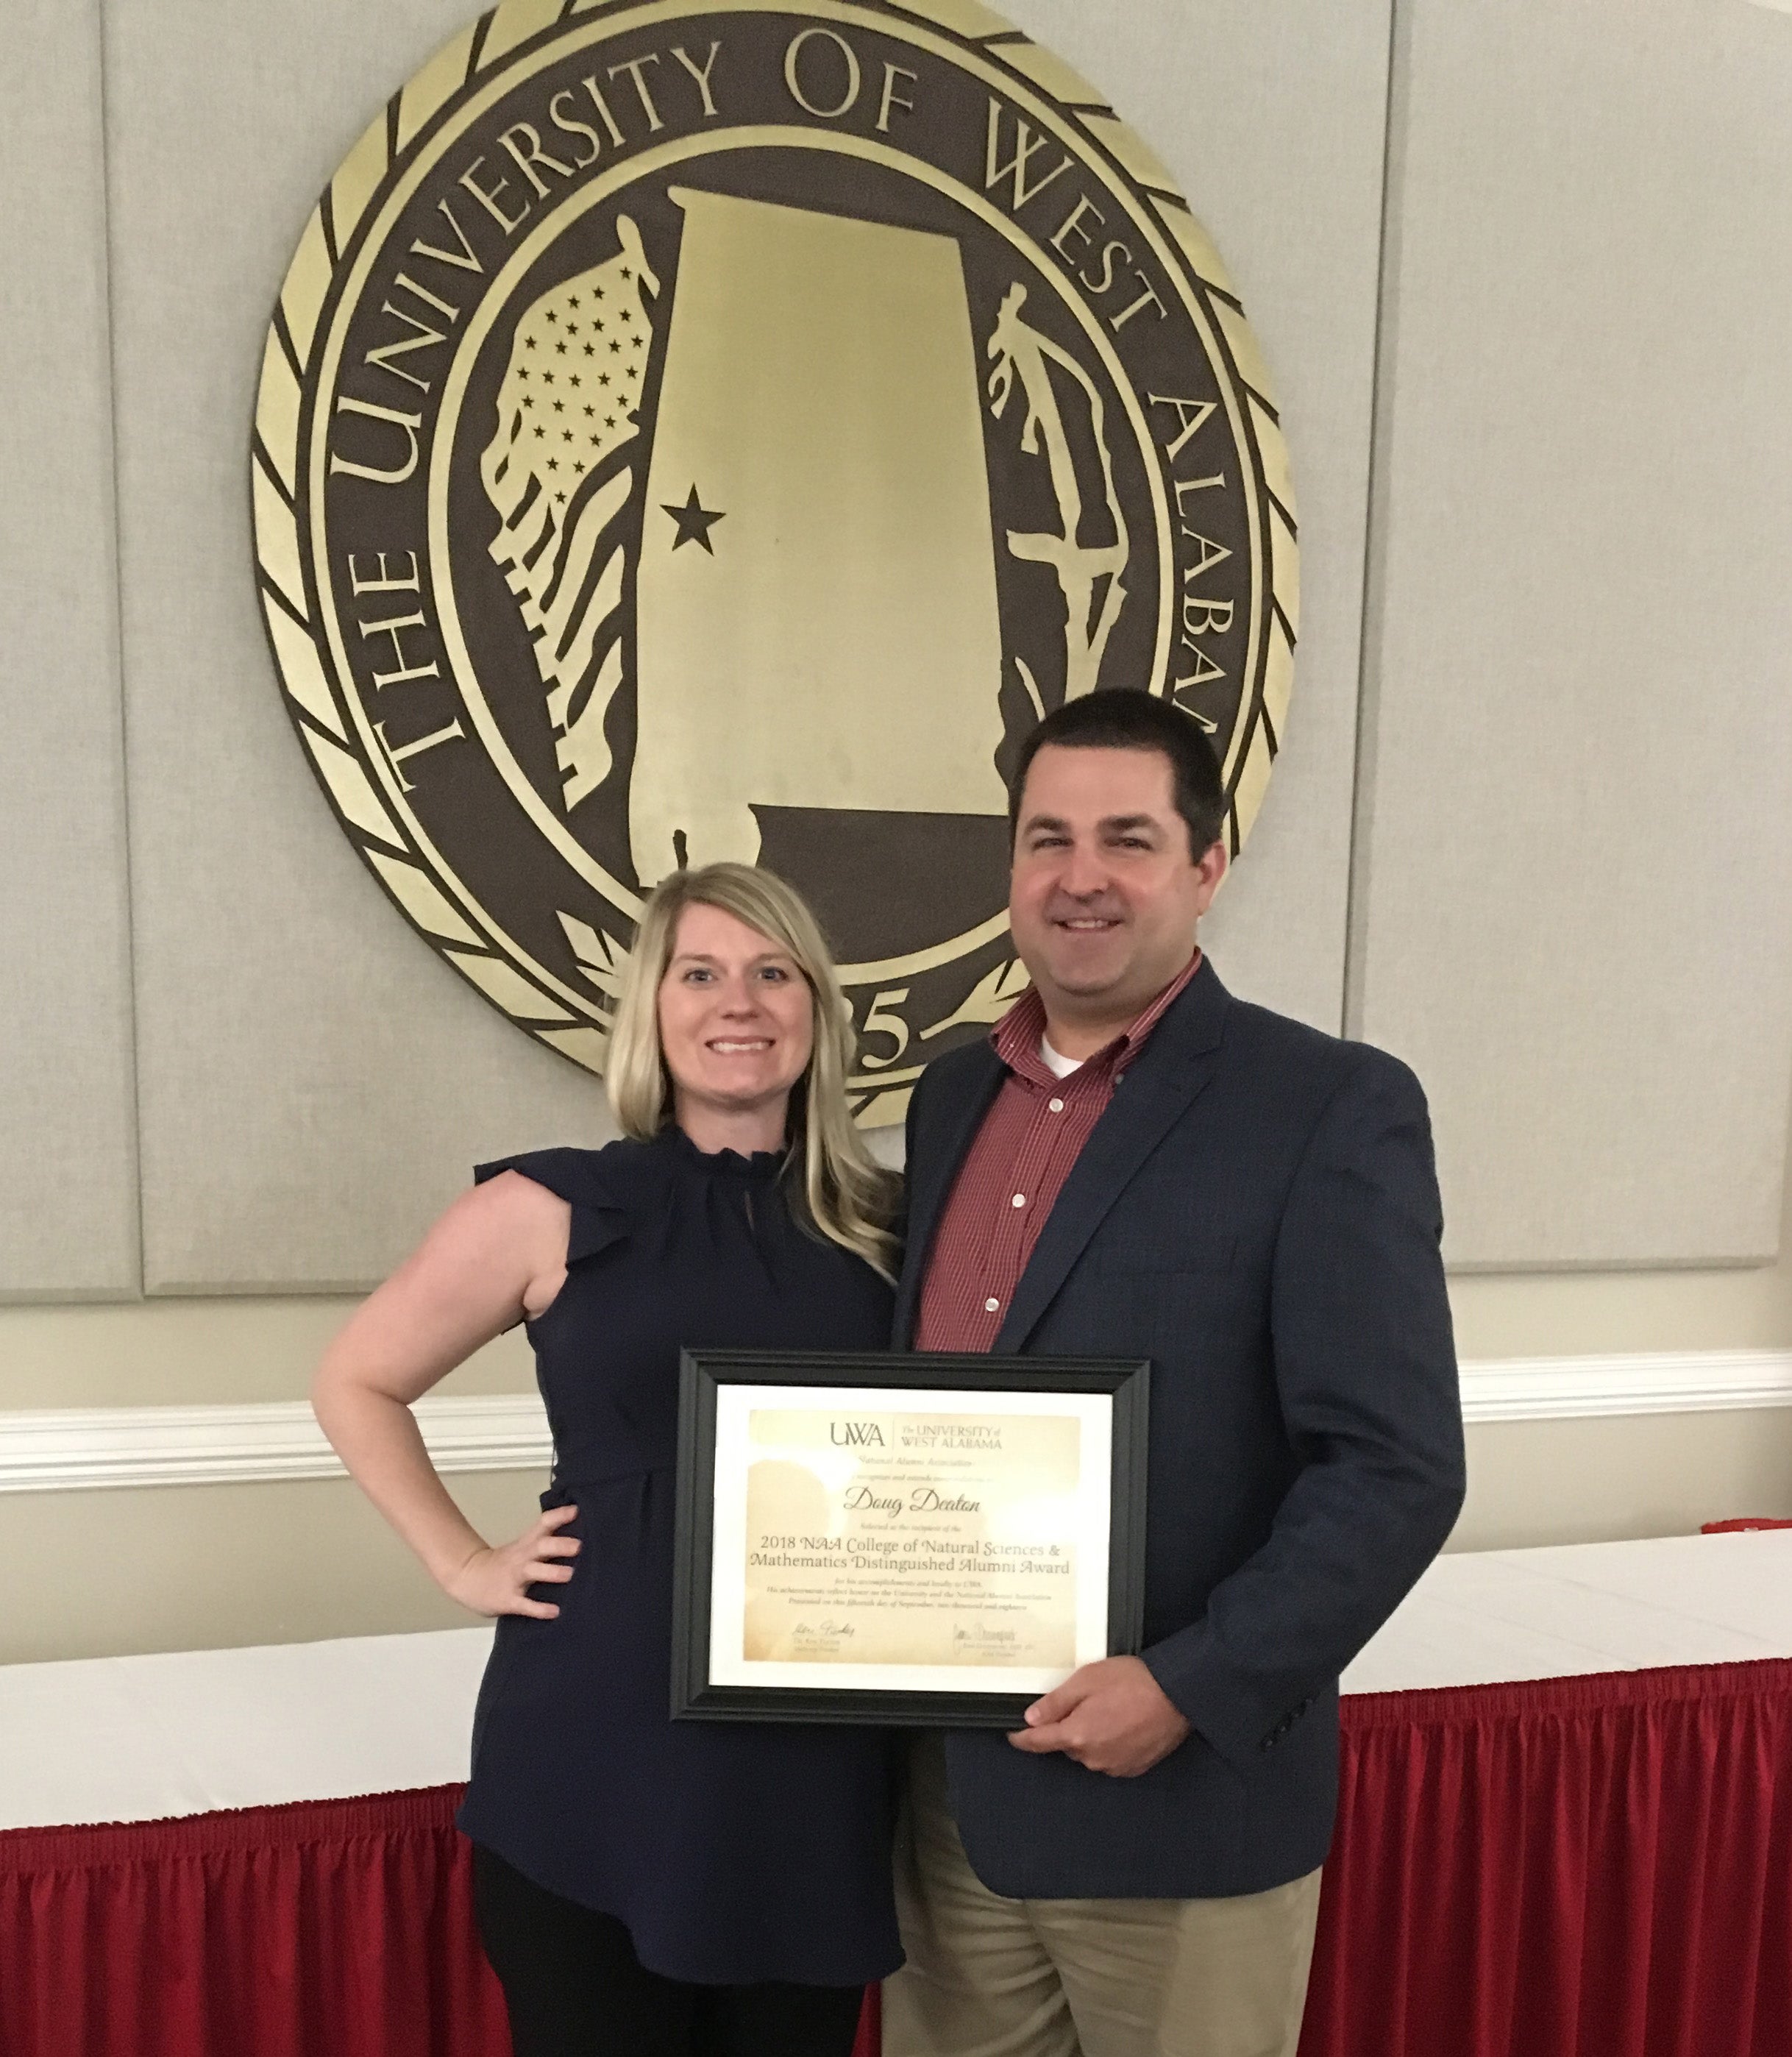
605,1188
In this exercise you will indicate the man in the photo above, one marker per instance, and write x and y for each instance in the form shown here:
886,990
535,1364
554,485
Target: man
1135,1164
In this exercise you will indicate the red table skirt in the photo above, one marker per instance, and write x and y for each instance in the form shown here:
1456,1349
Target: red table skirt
1597,1867
1580,1868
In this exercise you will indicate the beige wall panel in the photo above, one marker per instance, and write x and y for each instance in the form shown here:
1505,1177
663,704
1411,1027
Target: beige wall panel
1531,1483
217,1567
68,1207
1593,1314
1576,900
234,1352
315,1082
1272,115
1502,1314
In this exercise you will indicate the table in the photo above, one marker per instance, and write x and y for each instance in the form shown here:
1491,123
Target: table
1599,1860
1565,1818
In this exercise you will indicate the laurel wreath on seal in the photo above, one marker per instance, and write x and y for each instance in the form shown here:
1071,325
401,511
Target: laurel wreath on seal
297,642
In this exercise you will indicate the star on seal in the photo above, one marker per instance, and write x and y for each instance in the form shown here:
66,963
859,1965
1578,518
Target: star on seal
694,521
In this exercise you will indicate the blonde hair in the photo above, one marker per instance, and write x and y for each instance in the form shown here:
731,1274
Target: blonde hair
848,1195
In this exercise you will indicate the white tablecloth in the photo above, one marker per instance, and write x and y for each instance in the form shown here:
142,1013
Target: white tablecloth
1481,1619
134,1738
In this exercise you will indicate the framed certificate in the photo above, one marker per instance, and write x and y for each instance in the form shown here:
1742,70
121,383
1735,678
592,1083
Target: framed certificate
929,1539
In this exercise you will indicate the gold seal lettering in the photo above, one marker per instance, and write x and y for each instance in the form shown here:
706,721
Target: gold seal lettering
793,59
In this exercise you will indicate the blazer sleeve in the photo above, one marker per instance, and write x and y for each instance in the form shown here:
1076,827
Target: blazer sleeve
1365,1366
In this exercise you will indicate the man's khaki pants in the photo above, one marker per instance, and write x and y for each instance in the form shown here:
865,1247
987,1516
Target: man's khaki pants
991,1977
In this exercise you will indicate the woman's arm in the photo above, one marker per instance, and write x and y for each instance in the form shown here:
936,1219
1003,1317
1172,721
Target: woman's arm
497,1254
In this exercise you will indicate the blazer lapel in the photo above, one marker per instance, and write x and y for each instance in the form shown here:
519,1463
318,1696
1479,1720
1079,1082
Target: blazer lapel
1174,1066
928,1191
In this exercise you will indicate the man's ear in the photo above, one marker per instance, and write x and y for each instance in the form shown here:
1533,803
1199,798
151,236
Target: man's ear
1210,868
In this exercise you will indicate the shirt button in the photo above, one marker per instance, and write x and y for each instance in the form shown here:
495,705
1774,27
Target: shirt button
990,1307
1119,1077
1020,1200
1056,1106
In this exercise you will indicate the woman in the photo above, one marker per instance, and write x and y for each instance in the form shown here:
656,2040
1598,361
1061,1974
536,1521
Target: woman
652,1889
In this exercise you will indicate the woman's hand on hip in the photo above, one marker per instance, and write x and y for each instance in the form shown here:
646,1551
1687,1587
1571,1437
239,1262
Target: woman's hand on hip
496,1579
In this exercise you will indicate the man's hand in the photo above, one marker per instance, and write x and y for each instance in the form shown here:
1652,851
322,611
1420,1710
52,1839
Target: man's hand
1111,1716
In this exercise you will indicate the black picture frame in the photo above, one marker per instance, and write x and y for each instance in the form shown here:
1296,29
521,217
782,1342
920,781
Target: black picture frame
701,1375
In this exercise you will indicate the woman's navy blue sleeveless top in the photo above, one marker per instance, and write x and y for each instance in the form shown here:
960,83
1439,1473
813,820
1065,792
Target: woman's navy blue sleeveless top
734,1852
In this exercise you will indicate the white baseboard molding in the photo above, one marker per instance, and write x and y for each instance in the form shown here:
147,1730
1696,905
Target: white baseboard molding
46,1450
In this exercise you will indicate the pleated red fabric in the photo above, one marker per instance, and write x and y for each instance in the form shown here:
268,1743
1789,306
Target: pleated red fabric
1597,1867
1593,1867
329,1928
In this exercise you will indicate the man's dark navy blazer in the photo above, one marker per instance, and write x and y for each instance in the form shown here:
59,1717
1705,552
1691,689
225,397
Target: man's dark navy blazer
1257,1212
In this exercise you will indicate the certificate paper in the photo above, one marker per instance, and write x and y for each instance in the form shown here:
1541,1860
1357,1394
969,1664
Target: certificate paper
889,1537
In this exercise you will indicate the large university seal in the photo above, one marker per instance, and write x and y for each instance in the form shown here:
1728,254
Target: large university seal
713,431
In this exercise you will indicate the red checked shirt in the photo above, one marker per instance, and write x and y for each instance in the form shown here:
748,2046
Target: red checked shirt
1015,1169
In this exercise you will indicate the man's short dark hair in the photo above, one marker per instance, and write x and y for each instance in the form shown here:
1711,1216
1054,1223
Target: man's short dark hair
1124,718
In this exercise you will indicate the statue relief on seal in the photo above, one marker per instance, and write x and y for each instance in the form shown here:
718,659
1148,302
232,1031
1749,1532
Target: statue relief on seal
720,431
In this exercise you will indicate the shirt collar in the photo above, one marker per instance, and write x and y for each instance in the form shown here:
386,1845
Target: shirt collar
1016,1037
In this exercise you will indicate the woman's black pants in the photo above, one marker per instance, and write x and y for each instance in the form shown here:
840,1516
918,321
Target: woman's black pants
574,1987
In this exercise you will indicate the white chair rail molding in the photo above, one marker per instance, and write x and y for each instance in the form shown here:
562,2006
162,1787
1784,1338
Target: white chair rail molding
60,1449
